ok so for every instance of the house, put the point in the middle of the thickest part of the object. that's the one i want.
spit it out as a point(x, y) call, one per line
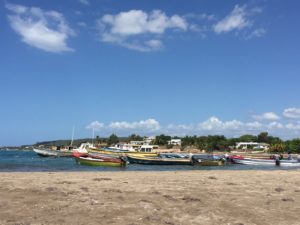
point(175, 142)
point(252, 145)
point(148, 140)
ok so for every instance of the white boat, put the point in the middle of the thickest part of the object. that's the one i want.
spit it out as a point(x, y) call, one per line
point(124, 147)
point(54, 153)
point(265, 162)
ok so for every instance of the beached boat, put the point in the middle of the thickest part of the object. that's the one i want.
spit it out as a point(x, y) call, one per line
point(208, 160)
point(158, 160)
point(264, 162)
point(92, 160)
point(54, 153)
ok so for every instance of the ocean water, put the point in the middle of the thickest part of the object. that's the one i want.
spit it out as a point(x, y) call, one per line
point(29, 161)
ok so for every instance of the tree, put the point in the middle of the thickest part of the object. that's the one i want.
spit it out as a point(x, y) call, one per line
point(134, 137)
point(113, 139)
point(293, 145)
point(247, 138)
point(162, 139)
point(277, 148)
point(263, 137)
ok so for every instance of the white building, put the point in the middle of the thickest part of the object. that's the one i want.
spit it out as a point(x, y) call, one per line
point(148, 140)
point(174, 142)
point(253, 145)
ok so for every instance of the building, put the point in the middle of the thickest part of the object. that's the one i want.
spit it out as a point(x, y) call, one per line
point(148, 140)
point(175, 142)
point(252, 145)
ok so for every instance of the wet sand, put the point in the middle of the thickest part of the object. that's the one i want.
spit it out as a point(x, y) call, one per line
point(133, 198)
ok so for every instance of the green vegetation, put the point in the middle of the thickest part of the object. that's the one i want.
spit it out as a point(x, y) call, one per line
point(208, 143)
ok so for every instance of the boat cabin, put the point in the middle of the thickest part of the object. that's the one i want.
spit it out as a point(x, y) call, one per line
point(148, 148)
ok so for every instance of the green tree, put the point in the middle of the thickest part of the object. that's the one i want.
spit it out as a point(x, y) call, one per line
point(263, 137)
point(247, 138)
point(134, 137)
point(113, 139)
point(162, 139)
point(293, 145)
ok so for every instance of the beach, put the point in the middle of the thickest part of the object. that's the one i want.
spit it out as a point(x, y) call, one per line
point(132, 197)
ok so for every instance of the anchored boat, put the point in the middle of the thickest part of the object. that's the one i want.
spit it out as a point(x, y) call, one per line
point(158, 160)
point(54, 153)
point(265, 162)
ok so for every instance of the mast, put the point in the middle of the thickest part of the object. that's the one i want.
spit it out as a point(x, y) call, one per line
point(72, 135)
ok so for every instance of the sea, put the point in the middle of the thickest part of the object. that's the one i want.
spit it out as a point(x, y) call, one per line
point(29, 161)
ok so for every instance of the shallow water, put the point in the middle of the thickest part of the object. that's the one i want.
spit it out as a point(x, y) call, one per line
point(29, 161)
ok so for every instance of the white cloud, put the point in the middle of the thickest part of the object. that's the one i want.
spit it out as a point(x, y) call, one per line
point(256, 33)
point(139, 30)
point(267, 116)
point(254, 125)
point(235, 20)
point(275, 125)
point(149, 124)
point(293, 126)
point(238, 19)
point(95, 125)
point(46, 30)
point(84, 2)
point(213, 124)
point(81, 24)
point(292, 113)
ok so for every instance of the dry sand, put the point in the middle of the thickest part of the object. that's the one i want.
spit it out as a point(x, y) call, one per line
point(133, 198)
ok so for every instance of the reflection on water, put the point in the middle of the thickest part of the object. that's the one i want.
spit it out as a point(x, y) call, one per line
point(11, 161)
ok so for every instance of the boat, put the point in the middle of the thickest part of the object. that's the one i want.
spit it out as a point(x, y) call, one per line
point(118, 152)
point(158, 160)
point(265, 162)
point(93, 160)
point(46, 152)
point(208, 160)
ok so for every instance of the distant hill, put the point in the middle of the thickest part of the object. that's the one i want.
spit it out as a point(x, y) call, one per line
point(76, 142)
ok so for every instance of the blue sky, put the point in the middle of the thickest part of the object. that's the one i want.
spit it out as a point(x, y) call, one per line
point(148, 67)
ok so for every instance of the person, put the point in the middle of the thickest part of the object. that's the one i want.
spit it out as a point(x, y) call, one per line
point(289, 156)
point(298, 158)
point(277, 159)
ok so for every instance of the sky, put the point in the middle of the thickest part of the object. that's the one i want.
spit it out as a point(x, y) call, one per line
point(196, 67)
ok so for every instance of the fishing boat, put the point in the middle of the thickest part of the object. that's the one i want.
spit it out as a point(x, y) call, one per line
point(93, 160)
point(265, 162)
point(46, 152)
point(208, 160)
point(158, 160)
point(117, 152)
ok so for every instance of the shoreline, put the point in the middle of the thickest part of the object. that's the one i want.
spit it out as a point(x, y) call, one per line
point(149, 197)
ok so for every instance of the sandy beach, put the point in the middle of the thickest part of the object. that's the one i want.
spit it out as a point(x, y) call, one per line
point(133, 198)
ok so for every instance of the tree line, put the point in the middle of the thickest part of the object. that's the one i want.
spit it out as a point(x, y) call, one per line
point(208, 143)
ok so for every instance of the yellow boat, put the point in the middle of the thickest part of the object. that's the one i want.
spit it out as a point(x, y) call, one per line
point(131, 153)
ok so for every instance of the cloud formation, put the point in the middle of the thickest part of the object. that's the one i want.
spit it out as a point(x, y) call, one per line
point(238, 19)
point(149, 124)
point(84, 2)
point(95, 125)
point(292, 113)
point(211, 126)
point(266, 116)
point(46, 30)
point(139, 30)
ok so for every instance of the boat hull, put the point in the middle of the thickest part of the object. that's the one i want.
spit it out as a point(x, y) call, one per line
point(98, 160)
point(113, 152)
point(157, 161)
point(266, 162)
point(52, 153)
point(89, 162)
